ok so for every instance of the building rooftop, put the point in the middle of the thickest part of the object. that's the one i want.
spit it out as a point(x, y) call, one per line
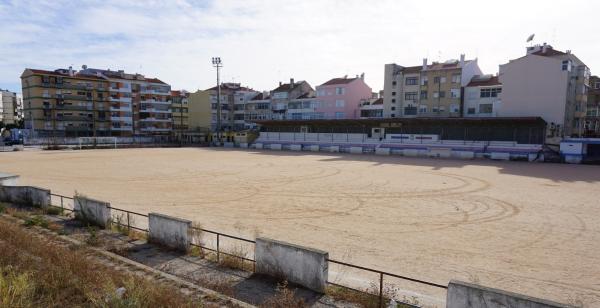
point(335, 81)
point(230, 86)
point(305, 95)
point(260, 97)
point(485, 80)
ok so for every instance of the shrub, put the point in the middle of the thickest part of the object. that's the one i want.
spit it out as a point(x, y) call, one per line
point(284, 298)
point(52, 210)
point(36, 220)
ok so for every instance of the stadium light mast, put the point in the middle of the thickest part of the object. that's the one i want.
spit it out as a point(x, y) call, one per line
point(216, 61)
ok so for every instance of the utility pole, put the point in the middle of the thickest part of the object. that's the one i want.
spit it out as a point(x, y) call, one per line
point(216, 61)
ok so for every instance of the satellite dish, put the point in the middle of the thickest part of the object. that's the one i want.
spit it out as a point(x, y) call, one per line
point(530, 38)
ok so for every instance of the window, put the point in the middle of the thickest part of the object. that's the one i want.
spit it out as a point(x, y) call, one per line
point(455, 93)
point(340, 91)
point(443, 80)
point(455, 78)
point(436, 80)
point(393, 115)
point(454, 108)
point(321, 93)
point(410, 96)
point(411, 81)
point(393, 108)
point(486, 108)
point(423, 94)
point(410, 110)
point(340, 103)
point(440, 94)
point(339, 115)
point(393, 100)
point(566, 65)
point(45, 79)
point(423, 109)
point(471, 110)
point(394, 83)
point(597, 85)
point(393, 93)
point(424, 81)
point(490, 92)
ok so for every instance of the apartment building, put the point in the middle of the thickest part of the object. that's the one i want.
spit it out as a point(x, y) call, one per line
point(233, 103)
point(429, 90)
point(9, 108)
point(548, 83)
point(138, 105)
point(482, 96)
point(592, 119)
point(286, 93)
point(258, 108)
point(180, 109)
point(340, 98)
point(63, 103)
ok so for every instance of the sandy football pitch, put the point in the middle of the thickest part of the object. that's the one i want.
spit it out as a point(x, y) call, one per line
point(525, 227)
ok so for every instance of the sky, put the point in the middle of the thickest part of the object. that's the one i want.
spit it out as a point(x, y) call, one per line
point(262, 42)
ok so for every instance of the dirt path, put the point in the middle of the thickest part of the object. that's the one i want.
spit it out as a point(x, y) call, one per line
point(525, 227)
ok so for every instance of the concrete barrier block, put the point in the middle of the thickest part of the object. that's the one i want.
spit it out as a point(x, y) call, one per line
point(334, 148)
point(276, 147)
point(535, 157)
point(464, 154)
point(8, 179)
point(25, 195)
point(314, 148)
point(304, 266)
point(228, 144)
point(500, 156)
point(169, 231)
point(92, 211)
point(466, 295)
point(440, 152)
point(296, 147)
point(243, 145)
point(411, 152)
point(382, 151)
point(258, 145)
point(356, 150)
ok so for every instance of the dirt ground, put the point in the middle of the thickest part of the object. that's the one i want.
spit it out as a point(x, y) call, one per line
point(525, 227)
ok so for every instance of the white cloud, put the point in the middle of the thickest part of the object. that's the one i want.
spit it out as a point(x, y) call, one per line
point(263, 42)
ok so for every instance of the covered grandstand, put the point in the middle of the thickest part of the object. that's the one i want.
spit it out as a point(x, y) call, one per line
point(497, 138)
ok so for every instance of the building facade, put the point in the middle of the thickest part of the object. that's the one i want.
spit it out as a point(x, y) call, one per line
point(9, 108)
point(548, 83)
point(429, 90)
point(94, 103)
point(592, 119)
point(233, 103)
point(62, 103)
point(340, 98)
point(286, 93)
point(482, 97)
point(180, 109)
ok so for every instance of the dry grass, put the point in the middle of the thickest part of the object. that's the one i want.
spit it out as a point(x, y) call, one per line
point(37, 273)
point(284, 298)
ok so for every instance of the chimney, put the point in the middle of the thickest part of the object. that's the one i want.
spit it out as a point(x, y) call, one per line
point(71, 73)
point(462, 59)
point(544, 48)
point(280, 83)
point(424, 64)
point(362, 76)
point(291, 82)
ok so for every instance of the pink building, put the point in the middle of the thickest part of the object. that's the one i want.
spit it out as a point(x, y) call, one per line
point(340, 98)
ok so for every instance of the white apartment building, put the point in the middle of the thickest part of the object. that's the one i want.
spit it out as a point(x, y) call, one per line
point(547, 83)
point(482, 97)
point(9, 111)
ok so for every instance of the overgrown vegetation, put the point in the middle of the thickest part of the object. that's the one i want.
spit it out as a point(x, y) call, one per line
point(370, 297)
point(37, 273)
point(51, 210)
point(284, 298)
point(36, 220)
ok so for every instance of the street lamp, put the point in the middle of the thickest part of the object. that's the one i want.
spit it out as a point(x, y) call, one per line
point(216, 61)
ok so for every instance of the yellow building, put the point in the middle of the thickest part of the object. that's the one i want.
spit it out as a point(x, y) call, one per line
point(62, 104)
point(179, 106)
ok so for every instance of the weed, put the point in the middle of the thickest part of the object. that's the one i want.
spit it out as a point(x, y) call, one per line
point(37, 220)
point(284, 298)
point(195, 235)
point(52, 210)
point(16, 289)
point(196, 251)
point(234, 258)
point(92, 239)
point(120, 224)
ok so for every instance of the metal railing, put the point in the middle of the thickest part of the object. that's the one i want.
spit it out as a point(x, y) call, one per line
point(67, 204)
point(381, 276)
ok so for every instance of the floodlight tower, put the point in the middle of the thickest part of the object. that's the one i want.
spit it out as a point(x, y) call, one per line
point(216, 61)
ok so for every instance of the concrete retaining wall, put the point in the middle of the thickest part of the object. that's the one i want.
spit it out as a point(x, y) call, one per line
point(26, 195)
point(334, 148)
point(92, 211)
point(276, 147)
point(500, 156)
point(314, 148)
point(296, 147)
point(258, 145)
point(297, 264)
point(382, 151)
point(467, 295)
point(169, 231)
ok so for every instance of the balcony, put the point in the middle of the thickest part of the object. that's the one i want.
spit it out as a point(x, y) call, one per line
point(154, 110)
point(75, 97)
point(122, 128)
point(156, 120)
point(155, 129)
point(72, 107)
point(153, 101)
point(121, 119)
point(121, 99)
point(75, 118)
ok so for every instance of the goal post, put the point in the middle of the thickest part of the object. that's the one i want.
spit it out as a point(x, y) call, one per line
point(83, 141)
